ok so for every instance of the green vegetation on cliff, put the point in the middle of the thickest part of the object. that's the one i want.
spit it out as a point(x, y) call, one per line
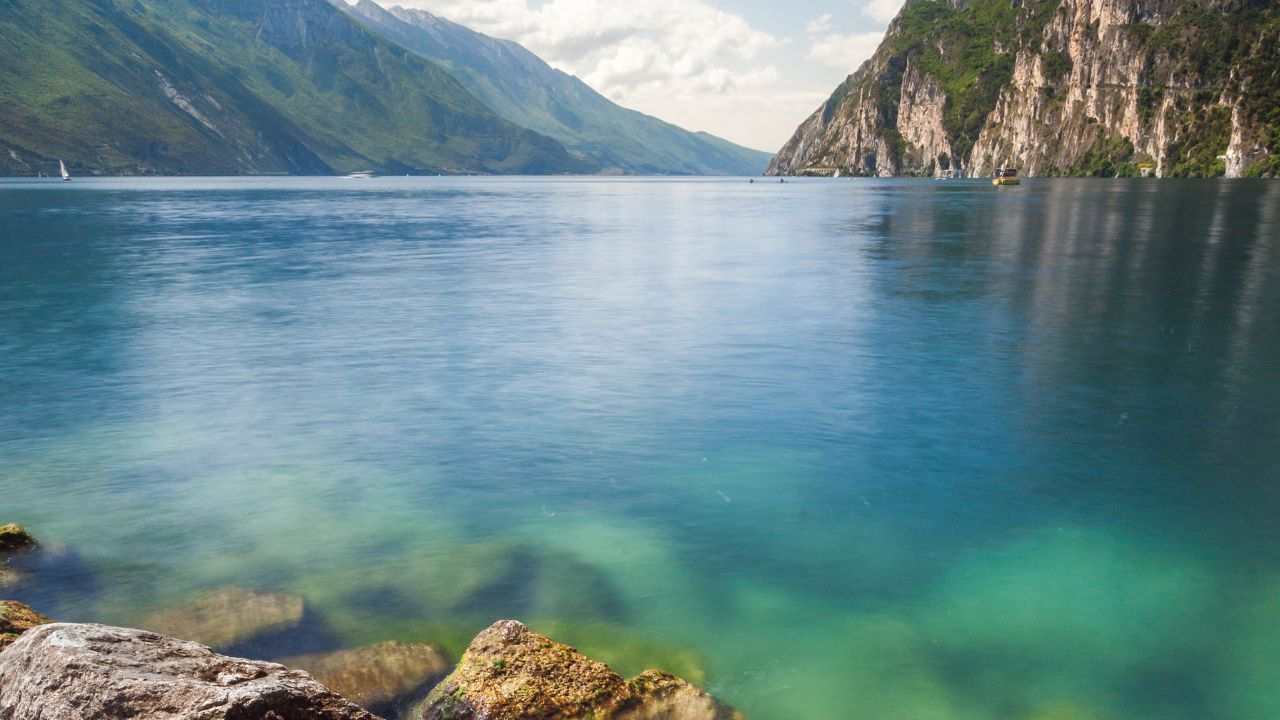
point(1199, 75)
point(236, 86)
point(970, 50)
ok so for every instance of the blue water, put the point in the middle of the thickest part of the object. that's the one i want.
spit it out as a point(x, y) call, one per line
point(902, 450)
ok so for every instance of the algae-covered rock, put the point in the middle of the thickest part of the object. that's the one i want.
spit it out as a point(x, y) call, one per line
point(626, 650)
point(382, 678)
point(15, 619)
point(664, 696)
point(14, 538)
point(73, 672)
point(227, 616)
point(510, 672)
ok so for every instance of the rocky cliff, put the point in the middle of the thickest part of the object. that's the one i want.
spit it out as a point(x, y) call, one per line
point(1170, 88)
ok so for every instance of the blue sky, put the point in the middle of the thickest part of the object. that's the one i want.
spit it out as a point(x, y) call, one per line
point(746, 70)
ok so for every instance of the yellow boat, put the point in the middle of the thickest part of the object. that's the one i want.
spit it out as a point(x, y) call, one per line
point(1006, 176)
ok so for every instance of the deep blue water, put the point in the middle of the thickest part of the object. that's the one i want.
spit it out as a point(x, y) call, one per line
point(896, 450)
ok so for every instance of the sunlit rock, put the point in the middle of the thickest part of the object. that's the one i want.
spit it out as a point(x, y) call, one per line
point(227, 616)
point(15, 619)
point(510, 672)
point(626, 650)
point(14, 538)
point(72, 672)
point(385, 678)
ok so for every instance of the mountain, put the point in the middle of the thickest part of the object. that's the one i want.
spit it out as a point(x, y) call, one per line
point(235, 87)
point(1057, 87)
point(523, 89)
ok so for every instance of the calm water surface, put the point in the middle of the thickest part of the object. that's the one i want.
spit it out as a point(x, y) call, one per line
point(864, 449)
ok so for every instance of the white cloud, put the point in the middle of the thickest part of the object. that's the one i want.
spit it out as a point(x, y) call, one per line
point(819, 25)
point(844, 52)
point(882, 10)
point(620, 49)
point(685, 61)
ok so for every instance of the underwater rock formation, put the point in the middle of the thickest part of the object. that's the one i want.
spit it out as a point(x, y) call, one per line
point(15, 619)
point(227, 616)
point(510, 672)
point(385, 678)
point(69, 672)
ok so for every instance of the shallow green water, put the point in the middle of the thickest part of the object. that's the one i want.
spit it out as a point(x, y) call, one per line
point(864, 449)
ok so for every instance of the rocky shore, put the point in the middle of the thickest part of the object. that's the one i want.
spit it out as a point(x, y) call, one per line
point(172, 669)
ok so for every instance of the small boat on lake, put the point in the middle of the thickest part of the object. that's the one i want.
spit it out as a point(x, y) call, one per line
point(361, 175)
point(62, 167)
point(1005, 176)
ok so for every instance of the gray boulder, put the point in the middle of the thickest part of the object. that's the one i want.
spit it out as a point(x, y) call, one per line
point(95, 672)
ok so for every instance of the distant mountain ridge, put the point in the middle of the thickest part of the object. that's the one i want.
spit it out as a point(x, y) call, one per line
point(237, 87)
point(525, 90)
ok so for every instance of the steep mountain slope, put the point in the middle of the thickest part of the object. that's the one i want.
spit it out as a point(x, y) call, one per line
point(526, 91)
point(1078, 87)
point(236, 86)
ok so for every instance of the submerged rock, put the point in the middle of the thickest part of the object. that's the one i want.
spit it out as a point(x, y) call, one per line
point(69, 672)
point(667, 697)
point(228, 616)
point(384, 678)
point(10, 577)
point(510, 672)
point(15, 619)
point(14, 538)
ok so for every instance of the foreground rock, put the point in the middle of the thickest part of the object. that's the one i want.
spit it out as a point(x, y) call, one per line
point(14, 538)
point(228, 616)
point(15, 619)
point(70, 672)
point(510, 672)
point(386, 678)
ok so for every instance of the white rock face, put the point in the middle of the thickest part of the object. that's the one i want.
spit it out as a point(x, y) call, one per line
point(92, 672)
point(920, 121)
point(1104, 87)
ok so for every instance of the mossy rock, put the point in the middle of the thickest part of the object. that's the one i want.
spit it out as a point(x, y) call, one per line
point(510, 672)
point(15, 538)
point(15, 619)
point(626, 650)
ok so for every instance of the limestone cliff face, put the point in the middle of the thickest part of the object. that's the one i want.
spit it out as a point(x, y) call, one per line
point(1079, 87)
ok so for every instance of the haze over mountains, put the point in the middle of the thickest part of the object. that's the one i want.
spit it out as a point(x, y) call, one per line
point(523, 89)
point(301, 87)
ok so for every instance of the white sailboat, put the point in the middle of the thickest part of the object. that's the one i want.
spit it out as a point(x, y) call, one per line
point(62, 167)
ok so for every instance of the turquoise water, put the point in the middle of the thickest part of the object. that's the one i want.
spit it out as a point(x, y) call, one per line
point(893, 450)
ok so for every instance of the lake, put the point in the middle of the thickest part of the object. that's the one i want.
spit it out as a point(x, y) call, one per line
point(883, 449)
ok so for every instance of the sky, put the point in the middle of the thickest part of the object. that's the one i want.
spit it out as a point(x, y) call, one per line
point(749, 71)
